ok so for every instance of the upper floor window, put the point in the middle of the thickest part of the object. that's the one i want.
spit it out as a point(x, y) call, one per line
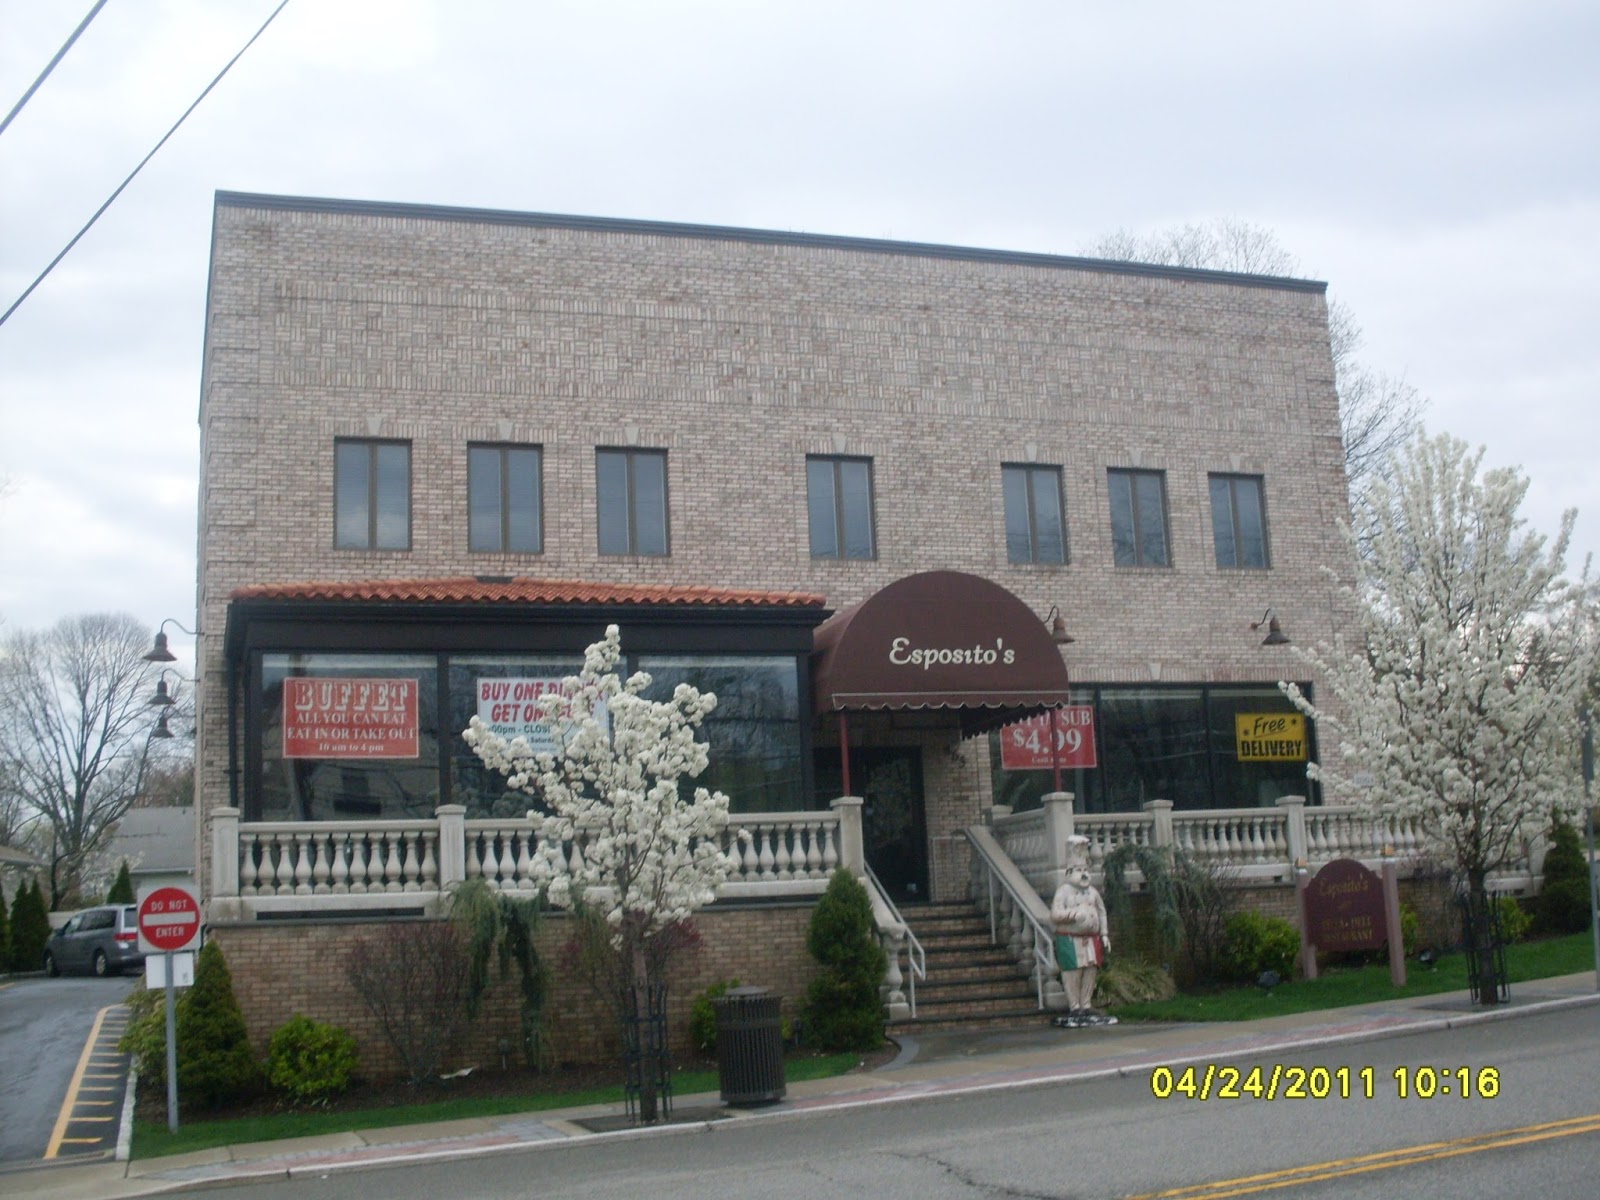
point(1239, 520)
point(631, 498)
point(1036, 529)
point(839, 501)
point(503, 499)
point(1139, 518)
point(371, 495)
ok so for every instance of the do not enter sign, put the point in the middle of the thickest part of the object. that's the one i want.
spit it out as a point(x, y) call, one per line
point(169, 919)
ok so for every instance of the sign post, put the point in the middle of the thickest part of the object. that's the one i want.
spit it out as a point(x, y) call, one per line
point(169, 921)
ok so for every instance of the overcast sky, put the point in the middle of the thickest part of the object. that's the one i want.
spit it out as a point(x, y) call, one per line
point(1438, 163)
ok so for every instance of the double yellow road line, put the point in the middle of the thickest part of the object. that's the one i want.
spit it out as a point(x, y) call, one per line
point(1386, 1160)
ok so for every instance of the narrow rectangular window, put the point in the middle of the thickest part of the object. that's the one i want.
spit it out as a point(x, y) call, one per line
point(1239, 521)
point(371, 495)
point(839, 507)
point(631, 501)
point(504, 499)
point(1139, 518)
point(1035, 522)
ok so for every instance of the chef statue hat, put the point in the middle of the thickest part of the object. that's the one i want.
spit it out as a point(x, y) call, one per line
point(1077, 851)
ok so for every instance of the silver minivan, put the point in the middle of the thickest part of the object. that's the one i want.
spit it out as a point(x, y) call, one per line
point(102, 941)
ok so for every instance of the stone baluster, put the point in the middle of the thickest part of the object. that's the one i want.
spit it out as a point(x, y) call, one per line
point(283, 876)
point(339, 852)
point(391, 865)
point(411, 861)
point(322, 852)
point(302, 864)
point(892, 988)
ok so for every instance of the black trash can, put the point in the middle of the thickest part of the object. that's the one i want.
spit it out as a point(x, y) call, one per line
point(750, 1046)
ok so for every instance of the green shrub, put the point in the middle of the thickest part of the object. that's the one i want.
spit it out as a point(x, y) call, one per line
point(5, 936)
point(215, 1062)
point(1514, 922)
point(122, 890)
point(703, 1016)
point(1254, 943)
point(1410, 928)
point(30, 928)
point(310, 1061)
point(843, 1010)
point(1562, 905)
point(1129, 981)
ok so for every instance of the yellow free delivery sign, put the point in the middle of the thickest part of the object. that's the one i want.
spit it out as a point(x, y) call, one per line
point(1270, 737)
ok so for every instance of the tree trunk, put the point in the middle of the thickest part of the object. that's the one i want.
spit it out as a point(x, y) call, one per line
point(645, 1035)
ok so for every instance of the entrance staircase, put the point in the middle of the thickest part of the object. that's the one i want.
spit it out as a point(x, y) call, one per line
point(970, 983)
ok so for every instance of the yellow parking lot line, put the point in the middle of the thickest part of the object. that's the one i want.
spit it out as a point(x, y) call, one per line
point(58, 1135)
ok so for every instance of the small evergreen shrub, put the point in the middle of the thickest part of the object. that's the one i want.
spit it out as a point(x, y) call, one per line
point(310, 1061)
point(122, 890)
point(1410, 928)
point(215, 1062)
point(5, 936)
point(703, 1016)
point(843, 1010)
point(1254, 943)
point(1562, 905)
point(30, 928)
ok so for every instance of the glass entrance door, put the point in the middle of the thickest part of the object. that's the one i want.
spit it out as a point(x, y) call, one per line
point(889, 781)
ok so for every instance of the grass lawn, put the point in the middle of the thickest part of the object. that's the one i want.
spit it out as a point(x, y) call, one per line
point(1365, 985)
point(152, 1139)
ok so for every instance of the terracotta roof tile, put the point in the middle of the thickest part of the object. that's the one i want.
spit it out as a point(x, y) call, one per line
point(471, 590)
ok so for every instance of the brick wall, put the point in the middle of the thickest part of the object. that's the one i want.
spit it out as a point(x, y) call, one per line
point(283, 969)
point(739, 357)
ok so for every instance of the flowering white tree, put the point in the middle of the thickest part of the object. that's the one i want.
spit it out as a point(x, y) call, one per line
point(1460, 700)
point(647, 856)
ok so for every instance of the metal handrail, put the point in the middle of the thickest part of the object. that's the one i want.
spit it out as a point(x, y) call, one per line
point(1044, 939)
point(916, 957)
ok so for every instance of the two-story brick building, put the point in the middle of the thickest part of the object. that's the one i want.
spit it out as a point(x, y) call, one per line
point(443, 448)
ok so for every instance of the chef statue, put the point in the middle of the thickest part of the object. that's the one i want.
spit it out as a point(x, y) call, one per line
point(1082, 937)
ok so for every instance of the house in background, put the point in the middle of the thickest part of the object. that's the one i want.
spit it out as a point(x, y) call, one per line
point(158, 845)
point(887, 500)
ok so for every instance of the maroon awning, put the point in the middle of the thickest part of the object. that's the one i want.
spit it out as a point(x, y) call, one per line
point(940, 639)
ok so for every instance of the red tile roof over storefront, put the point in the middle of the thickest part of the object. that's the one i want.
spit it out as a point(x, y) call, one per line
point(470, 590)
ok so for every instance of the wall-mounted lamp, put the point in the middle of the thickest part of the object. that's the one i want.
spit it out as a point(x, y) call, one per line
point(160, 653)
point(1275, 634)
point(161, 730)
point(1058, 627)
point(163, 698)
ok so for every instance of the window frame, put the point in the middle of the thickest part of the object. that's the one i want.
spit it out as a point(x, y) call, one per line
point(373, 446)
point(630, 456)
point(1132, 476)
point(1232, 481)
point(1028, 473)
point(836, 498)
point(503, 524)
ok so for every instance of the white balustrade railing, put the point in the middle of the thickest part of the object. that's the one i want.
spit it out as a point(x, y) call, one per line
point(1257, 844)
point(779, 853)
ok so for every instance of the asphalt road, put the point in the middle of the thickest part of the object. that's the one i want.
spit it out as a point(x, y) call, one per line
point(44, 1024)
point(1113, 1138)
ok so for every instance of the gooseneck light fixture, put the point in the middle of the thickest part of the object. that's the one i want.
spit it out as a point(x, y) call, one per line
point(1275, 634)
point(160, 653)
point(1058, 627)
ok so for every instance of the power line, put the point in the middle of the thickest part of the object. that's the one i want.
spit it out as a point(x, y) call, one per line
point(123, 185)
point(51, 65)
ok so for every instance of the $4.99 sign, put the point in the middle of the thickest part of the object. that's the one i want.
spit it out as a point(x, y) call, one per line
point(1025, 746)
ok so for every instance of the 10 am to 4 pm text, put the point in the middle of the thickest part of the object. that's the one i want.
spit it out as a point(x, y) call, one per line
point(1215, 1081)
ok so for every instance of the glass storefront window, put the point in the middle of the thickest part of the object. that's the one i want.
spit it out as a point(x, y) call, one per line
point(754, 732)
point(509, 706)
point(357, 739)
point(1174, 743)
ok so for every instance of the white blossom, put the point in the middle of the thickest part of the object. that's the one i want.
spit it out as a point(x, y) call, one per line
point(1460, 698)
point(613, 826)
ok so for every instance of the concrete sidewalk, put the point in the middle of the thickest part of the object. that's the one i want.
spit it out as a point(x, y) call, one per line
point(937, 1064)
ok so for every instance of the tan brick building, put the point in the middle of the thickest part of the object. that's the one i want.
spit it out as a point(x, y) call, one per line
point(431, 415)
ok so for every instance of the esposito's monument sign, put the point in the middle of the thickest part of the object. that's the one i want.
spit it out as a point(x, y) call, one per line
point(1347, 906)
